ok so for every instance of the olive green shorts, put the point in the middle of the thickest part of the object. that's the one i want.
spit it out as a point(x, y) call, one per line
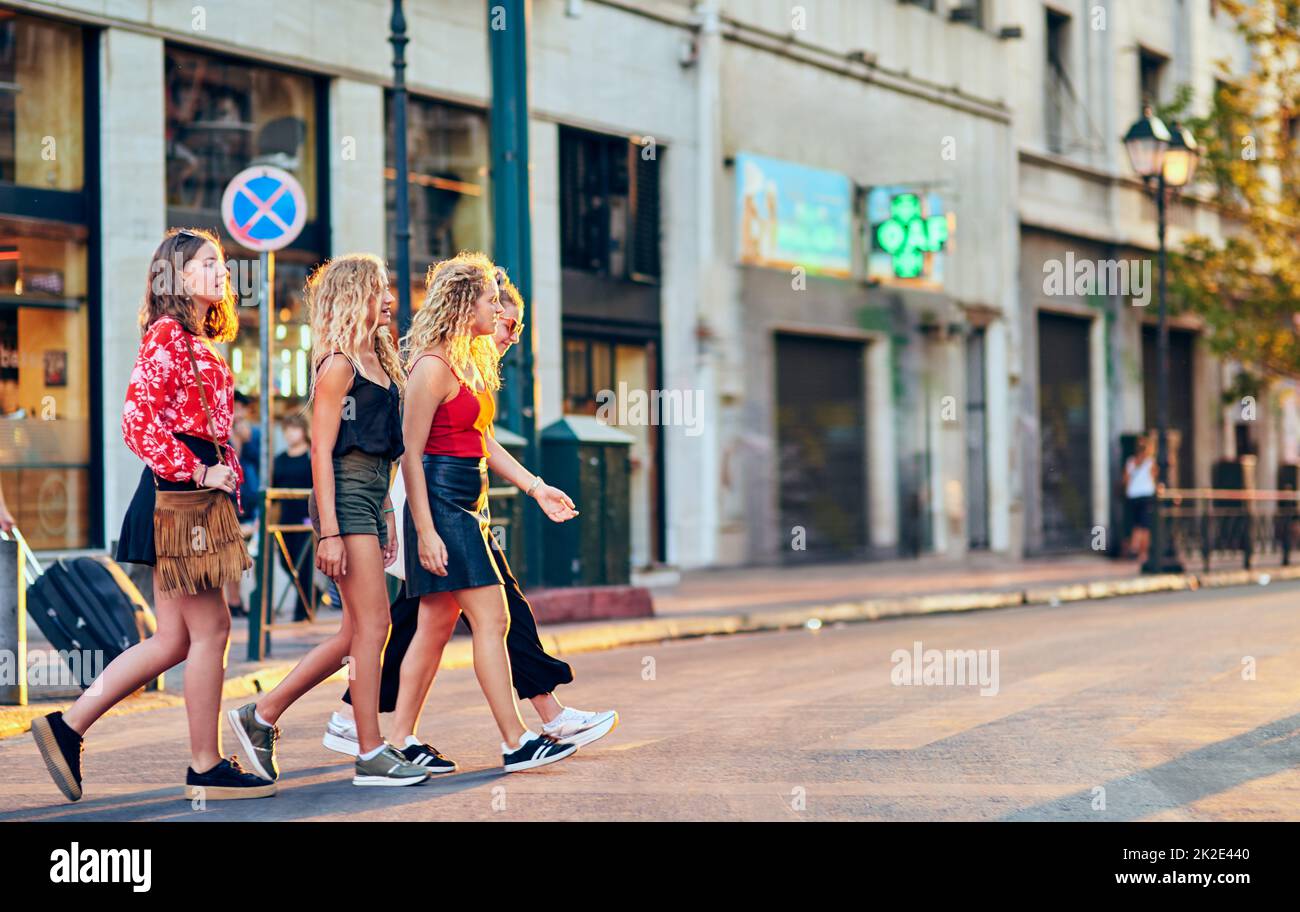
point(360, 486)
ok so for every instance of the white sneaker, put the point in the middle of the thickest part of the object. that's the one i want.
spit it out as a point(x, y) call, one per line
point(577, 727)
point(341, 736)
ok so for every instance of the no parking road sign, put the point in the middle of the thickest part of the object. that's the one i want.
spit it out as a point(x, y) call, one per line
point(264, 208)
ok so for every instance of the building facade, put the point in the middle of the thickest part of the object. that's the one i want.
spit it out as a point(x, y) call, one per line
point(859, 352)
point(1083, 357)
point(812, 237)
point(179, 97)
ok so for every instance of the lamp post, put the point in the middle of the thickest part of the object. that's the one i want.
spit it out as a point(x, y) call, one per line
point(1166, 160)
point(401, 167)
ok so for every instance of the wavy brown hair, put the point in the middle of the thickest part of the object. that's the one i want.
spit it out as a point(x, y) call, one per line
point(451, 288)
point(339, 293)
point(165, 294)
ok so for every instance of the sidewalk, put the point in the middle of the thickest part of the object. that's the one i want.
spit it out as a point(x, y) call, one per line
point(748, 600)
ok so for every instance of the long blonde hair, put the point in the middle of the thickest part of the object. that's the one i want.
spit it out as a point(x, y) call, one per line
point(339, 292)
point(451, 289)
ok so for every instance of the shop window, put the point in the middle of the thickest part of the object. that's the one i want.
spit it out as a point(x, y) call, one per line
point(448, 189)
point(42, 122)
point(45, 398)
point(223, 116)
point(290, 336)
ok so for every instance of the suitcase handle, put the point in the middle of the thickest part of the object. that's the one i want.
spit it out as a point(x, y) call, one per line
point(32, 566)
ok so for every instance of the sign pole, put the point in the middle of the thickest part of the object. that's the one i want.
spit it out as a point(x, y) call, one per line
point(258, 640)
point(264, 209)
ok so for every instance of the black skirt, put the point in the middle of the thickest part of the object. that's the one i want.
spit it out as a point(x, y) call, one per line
point(135, 542)
point(458, 500)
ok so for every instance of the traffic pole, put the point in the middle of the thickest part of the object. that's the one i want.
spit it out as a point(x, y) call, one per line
point(508, 44)
point(258, 636)
point(401, 168)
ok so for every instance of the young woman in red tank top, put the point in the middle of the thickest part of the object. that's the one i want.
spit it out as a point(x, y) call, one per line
point(412, 654)
point(452, 363)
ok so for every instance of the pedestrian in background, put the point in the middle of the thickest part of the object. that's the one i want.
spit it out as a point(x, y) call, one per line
point(6, 518)
point(250, 499)
point(292, 469)
point(1140, 490)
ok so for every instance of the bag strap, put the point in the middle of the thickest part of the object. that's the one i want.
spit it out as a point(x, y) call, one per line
point(203, 397)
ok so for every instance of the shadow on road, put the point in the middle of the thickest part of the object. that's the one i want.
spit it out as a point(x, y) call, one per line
point(1198, 774)
point(291, 802)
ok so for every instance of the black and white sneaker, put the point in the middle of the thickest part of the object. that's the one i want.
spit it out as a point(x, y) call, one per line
point(534, 750)
point(428, 757)
point(61, 749)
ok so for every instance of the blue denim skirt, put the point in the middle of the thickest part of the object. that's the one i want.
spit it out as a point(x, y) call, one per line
point(458, 500)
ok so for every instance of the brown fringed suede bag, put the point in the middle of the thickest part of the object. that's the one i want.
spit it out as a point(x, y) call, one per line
point(196, 534)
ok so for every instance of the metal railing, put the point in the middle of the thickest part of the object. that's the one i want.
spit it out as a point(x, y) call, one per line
point(273, 543)
point(1210, 523)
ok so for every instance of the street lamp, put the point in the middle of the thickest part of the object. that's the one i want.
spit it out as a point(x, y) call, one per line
point(1166, 160)
point(402, 214)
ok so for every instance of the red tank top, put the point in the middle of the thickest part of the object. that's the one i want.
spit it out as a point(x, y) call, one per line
point(460, 426)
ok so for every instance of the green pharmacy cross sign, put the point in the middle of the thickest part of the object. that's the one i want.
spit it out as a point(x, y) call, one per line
point(907, 235)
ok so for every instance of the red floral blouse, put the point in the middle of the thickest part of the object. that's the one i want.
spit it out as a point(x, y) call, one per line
point(162, 401)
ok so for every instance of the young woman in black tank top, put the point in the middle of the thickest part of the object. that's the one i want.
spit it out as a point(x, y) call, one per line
point(356, 436)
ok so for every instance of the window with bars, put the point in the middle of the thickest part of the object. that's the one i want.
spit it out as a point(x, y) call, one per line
point(609, 205)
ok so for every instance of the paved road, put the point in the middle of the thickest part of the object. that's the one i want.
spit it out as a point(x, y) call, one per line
point(1144, 698)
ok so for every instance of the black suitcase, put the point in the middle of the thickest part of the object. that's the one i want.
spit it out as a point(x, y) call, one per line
point(89, 603)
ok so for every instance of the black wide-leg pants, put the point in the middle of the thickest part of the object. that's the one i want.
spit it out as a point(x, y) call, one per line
point(535, 672)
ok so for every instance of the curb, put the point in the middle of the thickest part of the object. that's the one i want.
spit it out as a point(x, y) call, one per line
point(15, 720)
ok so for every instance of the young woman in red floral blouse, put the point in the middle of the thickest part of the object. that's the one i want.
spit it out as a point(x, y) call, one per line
point(188, 305)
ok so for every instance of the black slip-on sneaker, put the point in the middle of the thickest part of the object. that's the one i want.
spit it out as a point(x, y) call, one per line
point(226, 780)
point(61, 748)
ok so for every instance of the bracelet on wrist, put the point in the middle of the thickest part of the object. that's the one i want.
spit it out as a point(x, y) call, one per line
point(335, 535)
point(537, 483)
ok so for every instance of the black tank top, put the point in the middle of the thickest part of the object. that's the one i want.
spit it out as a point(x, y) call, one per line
point(372, 420)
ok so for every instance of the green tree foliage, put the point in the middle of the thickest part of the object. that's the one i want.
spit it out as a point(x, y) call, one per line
point(1246, 286)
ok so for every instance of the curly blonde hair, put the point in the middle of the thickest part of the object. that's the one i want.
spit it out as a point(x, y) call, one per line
point(451, 288)
point(339, 292)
